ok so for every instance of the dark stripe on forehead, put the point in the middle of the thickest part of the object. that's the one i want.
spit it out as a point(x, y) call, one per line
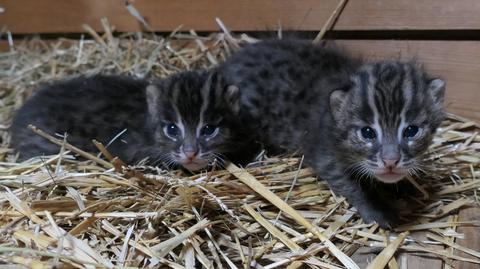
point(212, 97)
point(366, 110)
point(389, 95)
point(189, 100)
point(213, 93)
point(169, 113)
point(379, 99)
point(418, 101)
point(416, 97)
point(173, 108)
point(397, 100)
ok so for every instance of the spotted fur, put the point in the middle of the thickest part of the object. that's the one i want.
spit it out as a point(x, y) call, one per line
point(315, 100)
point(388, 97)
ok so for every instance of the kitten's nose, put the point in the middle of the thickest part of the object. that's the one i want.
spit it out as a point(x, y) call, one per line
point(190, 154)
point(390, 156)
point(390, 163)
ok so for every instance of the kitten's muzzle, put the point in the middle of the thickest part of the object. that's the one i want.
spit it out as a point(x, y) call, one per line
point(190, 155)
point(390, 174)
point(191, 159)
point(390, 164)
point(390, 177)
point(390, 170)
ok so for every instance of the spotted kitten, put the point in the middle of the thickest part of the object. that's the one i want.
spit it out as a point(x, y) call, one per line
point(179, 120)
point(353, 121)
point(381, 125)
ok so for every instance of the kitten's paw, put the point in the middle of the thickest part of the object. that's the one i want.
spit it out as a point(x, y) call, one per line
point(386, 218)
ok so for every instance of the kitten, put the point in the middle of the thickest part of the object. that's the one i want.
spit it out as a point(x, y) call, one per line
point(353, 121)
point(179, 120)
point(280, 82)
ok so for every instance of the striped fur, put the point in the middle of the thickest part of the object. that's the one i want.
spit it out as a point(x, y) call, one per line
point(102, 107)
point(389, 97)
point(315, 100)
point(191, 102)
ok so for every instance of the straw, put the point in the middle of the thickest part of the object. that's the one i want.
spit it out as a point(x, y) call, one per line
point(97, 211)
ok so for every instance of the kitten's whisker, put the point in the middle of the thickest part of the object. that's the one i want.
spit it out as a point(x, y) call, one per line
point(166, 159)
point(162, 158)
point(359, 170)
point(170, 163)
point(352, 167)
point(220, 161)
point(219, 156)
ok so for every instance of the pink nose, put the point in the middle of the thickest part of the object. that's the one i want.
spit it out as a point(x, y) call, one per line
point(190, 154)
point(390, 163)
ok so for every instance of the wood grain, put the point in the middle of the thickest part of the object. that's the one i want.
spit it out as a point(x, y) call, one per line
point(414, 260)
point(67, 16)
point(472, 236)
point(458, 62)
point(406, 260)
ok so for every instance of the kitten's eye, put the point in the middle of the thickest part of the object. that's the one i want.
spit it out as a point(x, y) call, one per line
point(172, 130)
point(368, 133)
point(208, 130)
point(410, 132)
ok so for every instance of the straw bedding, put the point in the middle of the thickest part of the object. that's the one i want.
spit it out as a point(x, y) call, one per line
point(60, 212)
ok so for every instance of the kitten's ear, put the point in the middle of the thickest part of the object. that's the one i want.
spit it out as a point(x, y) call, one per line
point(153, 98)
point(436, 88)
point(232, 98)
point(338, 98)
point(230, 94)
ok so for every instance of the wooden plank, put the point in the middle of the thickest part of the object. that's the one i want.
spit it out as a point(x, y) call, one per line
point(458, 62)
point(364, 256)
point(472, 236)
point(408, 260)
point(414, 260)
point(53, 16)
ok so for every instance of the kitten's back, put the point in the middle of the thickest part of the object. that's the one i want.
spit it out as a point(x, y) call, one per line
point(95, 107)
point(282, 82)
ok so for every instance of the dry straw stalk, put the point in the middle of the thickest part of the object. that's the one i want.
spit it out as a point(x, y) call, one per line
point(61, 211)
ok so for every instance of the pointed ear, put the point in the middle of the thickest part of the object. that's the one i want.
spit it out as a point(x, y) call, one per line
point(232, 98)
point(436, 88)
point(153, 98)
point(338, 99)
point(229, 94)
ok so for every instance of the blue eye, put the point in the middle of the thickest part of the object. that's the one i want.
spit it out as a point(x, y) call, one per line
point(208, 130)
point(368, 133)
point(172, 130)
point(410, 131)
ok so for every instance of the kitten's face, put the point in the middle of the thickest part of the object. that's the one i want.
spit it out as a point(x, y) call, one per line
point(387, 119)
point(190, 118)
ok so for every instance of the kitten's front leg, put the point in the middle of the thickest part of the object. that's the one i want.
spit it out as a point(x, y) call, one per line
point(370, 207)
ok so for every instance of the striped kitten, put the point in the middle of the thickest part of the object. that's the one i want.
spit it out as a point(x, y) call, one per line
point(378, 127)
point(353, 121)
point(179, 120)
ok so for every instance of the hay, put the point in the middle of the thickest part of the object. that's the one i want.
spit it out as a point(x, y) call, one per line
point(57, 211)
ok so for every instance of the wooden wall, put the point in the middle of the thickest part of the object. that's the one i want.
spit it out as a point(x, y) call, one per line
point(444, 34)
point(445, 30)
point(53, 16)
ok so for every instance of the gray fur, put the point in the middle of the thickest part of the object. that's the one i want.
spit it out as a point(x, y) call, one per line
point(315, 100)
point(100, 107)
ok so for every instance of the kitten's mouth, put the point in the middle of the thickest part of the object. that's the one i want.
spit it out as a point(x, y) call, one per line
point(389, 176)
point(193, 165)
